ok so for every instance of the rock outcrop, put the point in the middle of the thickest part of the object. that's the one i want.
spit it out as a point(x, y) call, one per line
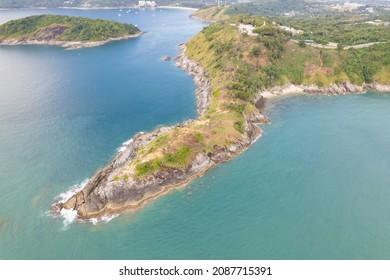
point(344, 88)
point(48, 40)
point(203, 92)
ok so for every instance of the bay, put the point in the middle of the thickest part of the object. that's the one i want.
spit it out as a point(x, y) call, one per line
point(314, 186)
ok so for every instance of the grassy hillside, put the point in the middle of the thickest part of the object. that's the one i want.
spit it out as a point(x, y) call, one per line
point(224, 122)
point(64, 28)
point(239, 66)
point(212, 14)
point(277, 60)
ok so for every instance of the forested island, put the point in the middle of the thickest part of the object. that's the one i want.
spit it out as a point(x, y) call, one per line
point(238, 62)
point(66, 31)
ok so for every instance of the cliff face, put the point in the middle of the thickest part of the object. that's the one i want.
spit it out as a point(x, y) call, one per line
point(104, 195)
point(203, 91)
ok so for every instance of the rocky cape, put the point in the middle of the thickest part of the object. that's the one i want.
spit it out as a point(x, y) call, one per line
point(104, 196)
point(344, 88)
point(69, 45)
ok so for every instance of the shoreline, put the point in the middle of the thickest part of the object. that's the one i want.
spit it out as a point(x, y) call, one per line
point(178, 8)
point(345, 88)
point(88, 201)
point(67, 45)
point(114, 212)
point(105, 196)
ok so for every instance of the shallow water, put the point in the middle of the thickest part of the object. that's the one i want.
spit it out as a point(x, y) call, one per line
point(315, 186)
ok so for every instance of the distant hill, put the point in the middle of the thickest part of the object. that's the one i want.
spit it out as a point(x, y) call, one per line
point(280, 7)
point(63, 3)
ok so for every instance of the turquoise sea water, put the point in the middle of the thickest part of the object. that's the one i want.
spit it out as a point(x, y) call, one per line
point(315, 186)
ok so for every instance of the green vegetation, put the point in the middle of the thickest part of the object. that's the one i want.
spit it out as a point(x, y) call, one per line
point(347, 31)
point(64, 28)
point(239, 126)
point(179, 159)
point(281, 61)
point(365, 65)
point(278, 8)
point(238, 66)
point(147, 168)
point(198, 137)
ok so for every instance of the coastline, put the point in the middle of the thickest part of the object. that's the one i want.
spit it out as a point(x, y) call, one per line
point(102, 196)
point(65, 44)
point(178, 8)
point(345, 88)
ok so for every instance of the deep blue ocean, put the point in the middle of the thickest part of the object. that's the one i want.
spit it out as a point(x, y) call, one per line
point(315, 186)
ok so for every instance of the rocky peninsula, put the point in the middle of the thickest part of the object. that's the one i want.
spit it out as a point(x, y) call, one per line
point(235, 75)
point(105, 195)
point(64, 31)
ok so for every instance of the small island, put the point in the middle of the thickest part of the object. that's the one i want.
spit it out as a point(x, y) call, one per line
point(65, 31)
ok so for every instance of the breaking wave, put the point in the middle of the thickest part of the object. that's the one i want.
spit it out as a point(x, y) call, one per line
point(69, 216)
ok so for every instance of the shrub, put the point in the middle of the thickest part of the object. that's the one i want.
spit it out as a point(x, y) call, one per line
point(180, 157)
point(147, 167)
point(239, 126)
point(198, 137)
point(256, 51)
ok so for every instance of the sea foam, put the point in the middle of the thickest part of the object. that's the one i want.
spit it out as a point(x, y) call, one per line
point(124, 145)
point(69, 216)
point(63, 197)
point(103, 219)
